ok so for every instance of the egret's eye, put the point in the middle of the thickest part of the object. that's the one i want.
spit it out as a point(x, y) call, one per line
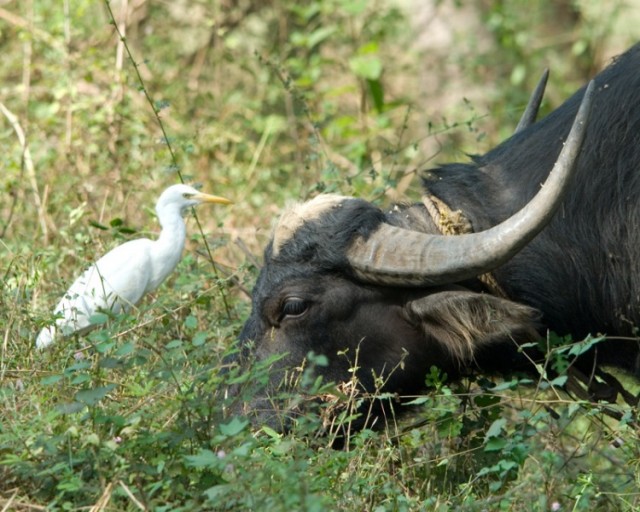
point(293, 307)
point(187, 195)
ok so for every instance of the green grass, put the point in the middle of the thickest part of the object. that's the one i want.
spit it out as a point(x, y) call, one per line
point(264, 106)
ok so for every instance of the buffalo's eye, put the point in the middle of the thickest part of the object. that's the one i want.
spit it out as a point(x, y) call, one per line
point(293, 307)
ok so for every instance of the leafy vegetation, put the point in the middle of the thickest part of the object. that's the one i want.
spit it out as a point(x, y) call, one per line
point(263, 102)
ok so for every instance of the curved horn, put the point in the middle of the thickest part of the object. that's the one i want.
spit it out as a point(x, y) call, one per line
point(400, 257)
point(531, 112)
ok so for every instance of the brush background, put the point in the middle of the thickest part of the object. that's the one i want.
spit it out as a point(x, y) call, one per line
point(264, 103)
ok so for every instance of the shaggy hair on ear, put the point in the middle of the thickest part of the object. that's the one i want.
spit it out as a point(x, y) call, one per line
point(464, 322)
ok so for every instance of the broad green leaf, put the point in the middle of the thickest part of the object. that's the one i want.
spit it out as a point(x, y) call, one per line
point(317, 36)
point(270, 432)
point(508, 384)
point(173, 344)
point(584, 346)
point(70, 407)
point(368, 67)
point(51, 379)
point(125, 349)
point(80, 379)
point(559, 381)
point(199, 339)
point(283, 447)
point(495, 444)
point(235, 426)
point(94, 395)
point(496, 428)
point(354, 6)
point(203, 459)
point(98, 318)
point(191, 322)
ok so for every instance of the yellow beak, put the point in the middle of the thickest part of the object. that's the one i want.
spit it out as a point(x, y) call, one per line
point(208, 198)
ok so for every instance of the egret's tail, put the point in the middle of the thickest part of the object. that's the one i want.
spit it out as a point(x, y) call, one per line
point(46, 337)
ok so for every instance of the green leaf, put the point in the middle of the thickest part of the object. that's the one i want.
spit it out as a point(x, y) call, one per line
point(70, 407)
point(78, 367)
point(270, 432)
point(495, 444)
point(80, 379)
point(418, 401)
point(217, 491)
point(109, 362)
point(559, 381)
point(317, 36)
point(518, 74)
point(203, 459)
point(161, 104)
point(486, 400)
point(283, 448)
point(509, 384)
point(496, 428)
point(368, 67)
point(94, 395)
point(584, 346)
point(191, 322)
point(235, 426)
point(199, 339)
point(354, 6)
point(125, 349)
point(104, 346)
point(173, 344)
point(98, 319)
point(96, 224)
point(51, 379)
point(369, 48)
point(377, 94)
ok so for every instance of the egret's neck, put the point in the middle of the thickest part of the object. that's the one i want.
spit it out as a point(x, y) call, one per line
point(169, 245)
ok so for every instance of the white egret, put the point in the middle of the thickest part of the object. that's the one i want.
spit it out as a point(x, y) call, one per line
point(119, 279)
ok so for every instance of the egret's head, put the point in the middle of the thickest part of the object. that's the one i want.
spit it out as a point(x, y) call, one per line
point(182, 197)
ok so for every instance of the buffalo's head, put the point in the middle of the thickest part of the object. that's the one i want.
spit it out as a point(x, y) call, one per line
point(383, 297)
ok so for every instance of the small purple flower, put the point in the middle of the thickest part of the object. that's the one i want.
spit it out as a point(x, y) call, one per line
point(555, 506)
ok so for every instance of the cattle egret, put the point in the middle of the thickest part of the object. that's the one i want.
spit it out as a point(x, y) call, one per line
point(119, 279)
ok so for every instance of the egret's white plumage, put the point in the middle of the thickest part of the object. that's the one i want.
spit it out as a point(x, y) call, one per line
point(125, 274)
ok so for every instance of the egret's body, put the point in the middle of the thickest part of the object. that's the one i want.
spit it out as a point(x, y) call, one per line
point(119, 279)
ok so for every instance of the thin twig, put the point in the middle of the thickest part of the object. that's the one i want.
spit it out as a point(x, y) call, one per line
point(132, 497)
point(104, 500)
point(37, 33)
point(174, 160)
point(248, 254)
point(28, 165)
point(8, 503)
point(12, 208)
point(27, 45)
point(67, 65)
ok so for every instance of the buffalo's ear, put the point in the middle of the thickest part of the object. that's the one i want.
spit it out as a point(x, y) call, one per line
point(464, 322)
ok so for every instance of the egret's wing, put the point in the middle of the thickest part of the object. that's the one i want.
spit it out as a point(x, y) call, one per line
point(122, 273)
point(114, 282)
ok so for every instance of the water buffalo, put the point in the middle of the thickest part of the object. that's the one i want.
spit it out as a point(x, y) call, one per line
point(540, 234)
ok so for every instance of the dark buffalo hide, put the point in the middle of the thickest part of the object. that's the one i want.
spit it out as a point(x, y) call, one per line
point(579, 276)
